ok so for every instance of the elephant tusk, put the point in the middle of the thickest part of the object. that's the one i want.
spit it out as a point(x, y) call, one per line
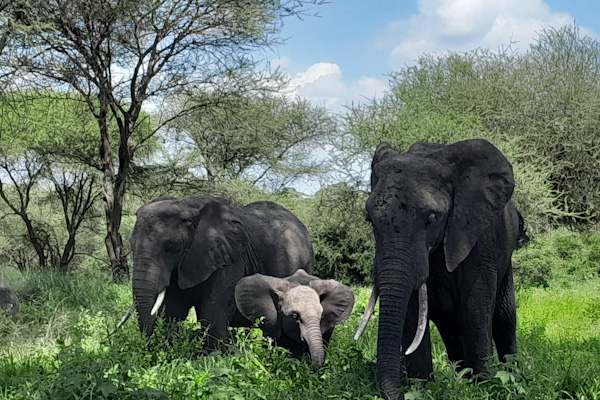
point(421, 322)
point(159, 301)
point(368, 313)
point(122, 322)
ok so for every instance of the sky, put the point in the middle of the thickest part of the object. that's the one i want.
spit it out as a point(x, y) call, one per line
point(344, 55)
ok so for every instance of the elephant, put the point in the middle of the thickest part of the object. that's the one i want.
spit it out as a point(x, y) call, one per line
point(300, 311)
point(9, 302)
point(445, 229)
point(192, 251)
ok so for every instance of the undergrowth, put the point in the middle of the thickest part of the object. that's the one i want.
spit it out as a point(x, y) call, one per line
point(57, 347)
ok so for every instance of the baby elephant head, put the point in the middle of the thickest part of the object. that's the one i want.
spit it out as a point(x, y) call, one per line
point(301, 308)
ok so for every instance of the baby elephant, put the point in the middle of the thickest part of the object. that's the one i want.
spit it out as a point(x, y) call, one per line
point(9, 302)
point(300, 311)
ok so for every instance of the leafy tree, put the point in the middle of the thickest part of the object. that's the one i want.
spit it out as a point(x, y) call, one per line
point(268, 139)
point(35, 129)
point(120, 55)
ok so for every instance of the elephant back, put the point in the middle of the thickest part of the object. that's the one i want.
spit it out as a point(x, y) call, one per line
point(280, 239)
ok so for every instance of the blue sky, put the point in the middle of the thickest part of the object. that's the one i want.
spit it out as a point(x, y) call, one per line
point(344, 55)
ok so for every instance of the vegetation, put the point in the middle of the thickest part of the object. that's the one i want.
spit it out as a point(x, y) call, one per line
point(57, 346)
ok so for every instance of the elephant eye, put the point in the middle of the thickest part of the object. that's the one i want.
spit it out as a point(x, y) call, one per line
point(296, 316)
point(431, 219)
point(171, 246)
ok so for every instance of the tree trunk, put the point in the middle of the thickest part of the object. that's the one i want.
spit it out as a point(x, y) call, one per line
point(113, 190)
point(33, 238)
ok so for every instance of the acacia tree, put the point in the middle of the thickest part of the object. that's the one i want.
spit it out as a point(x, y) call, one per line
point(122, 54)
point(36, 174)
point(268, 140)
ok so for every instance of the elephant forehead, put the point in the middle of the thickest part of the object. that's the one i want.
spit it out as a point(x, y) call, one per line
point(300, 297)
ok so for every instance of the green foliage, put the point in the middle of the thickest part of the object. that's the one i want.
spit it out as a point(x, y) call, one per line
point(268, 139)
point(57, 348)
point(343, 240)
point(540, 107)
point(562, 256)
point(58, 125)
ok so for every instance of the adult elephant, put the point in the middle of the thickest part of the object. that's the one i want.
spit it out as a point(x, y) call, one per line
point(9, 302)
point(445, 230)
point(192, 251)
point(300, 311)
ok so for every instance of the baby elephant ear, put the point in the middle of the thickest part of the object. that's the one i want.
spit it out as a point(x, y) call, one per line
point(337, 301)
point(257, 296)
point(301, 277)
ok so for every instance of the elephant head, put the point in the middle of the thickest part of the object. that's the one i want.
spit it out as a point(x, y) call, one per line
point(432, 199)
point(301, 306)
point(178, 244)
point(9, 302)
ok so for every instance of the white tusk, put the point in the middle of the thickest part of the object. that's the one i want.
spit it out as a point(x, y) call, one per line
point(159, 301)
point(368, 313)
point(122, 322)
point(421, 322)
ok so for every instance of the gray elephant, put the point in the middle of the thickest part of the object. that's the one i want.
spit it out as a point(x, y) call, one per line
point(9, 302)
point(192, 251)
point(299, 311)
point(445, 230)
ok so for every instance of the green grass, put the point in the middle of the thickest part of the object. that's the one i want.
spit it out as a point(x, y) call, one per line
point(57, 347)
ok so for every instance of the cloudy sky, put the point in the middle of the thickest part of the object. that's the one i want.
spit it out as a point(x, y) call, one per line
point(343, 55)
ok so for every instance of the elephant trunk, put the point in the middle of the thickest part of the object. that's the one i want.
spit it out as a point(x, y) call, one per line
point(395, 287)
point(312, 336)
point(147, 287)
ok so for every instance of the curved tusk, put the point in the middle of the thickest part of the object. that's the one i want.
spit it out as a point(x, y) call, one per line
point(421, 322)
point(368, 313)
point(159, 301)
point(122, 322)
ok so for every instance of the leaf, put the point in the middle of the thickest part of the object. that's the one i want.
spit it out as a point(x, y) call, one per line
point(505, 377)
point(107, 388)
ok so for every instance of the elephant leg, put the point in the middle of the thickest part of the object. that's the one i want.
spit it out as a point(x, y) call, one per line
point(476, 322)
point(447, 324)
point(215, 306)
point(418, 364)
point(504, 324)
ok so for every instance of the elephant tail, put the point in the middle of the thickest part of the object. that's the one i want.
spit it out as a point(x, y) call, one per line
point(522, 238)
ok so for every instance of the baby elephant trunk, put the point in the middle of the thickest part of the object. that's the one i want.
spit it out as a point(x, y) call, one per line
point(311, 334)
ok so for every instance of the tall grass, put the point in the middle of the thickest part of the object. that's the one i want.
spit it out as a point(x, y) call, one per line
point(57, 348)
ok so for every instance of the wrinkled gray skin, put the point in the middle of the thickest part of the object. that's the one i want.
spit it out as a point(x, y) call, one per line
point(299, 311)
point(9, 302)
point(199, 247)
point(442, 215)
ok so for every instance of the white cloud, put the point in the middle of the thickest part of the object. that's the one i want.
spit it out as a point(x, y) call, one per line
point(323, 84)
point(461, 25)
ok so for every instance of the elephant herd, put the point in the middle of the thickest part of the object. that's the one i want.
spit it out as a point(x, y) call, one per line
point(445, 229)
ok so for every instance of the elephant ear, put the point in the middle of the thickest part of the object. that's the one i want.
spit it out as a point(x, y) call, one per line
point(258, 296)
point(337, 301)
point(383, 151)
point(483, 183)
point(301, 277)
point(219, 241)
